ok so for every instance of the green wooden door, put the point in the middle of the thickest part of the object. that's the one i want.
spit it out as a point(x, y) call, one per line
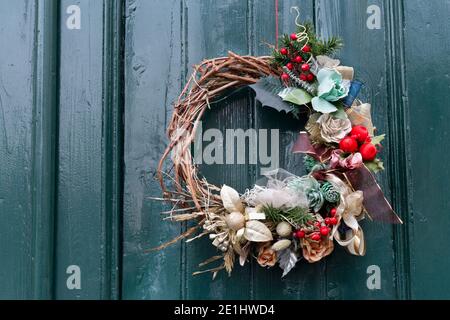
point(398, 49)
point(60, 148)
point(86, 88)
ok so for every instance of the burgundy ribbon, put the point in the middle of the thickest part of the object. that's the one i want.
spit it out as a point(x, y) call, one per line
point(376, 204)
point(303, 145)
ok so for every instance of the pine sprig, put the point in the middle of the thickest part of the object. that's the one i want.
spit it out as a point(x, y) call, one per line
point(322, 47)
point(298, 216)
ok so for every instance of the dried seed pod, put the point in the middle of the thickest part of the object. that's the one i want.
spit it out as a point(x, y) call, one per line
point(235, 221)
point(281, 245)
point(284, 229)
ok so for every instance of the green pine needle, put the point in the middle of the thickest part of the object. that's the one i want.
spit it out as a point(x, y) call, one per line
point(298, 216)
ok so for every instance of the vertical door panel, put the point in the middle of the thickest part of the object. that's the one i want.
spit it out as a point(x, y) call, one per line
point(88, 150)
point(426, 107)
point(27, 117)
point(152, 82)
point(213, 29)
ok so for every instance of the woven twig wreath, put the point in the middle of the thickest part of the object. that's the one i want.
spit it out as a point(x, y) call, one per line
point(289, 217)
point(209, 81)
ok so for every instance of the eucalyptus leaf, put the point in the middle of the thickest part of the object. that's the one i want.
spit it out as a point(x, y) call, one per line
point(266, 90)
point(323, 106)
point(296, 96)
point(287, 261)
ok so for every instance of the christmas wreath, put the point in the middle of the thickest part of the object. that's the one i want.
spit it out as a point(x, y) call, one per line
point(284, 217)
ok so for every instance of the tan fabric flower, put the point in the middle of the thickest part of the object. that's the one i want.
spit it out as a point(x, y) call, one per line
point(314, 251)
point(333, 130)
point(266, 256)
point(313, 128)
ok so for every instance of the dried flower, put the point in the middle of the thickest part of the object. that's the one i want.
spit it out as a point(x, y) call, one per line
point(333, 130)
point(267, 257)
point(313, 128)
point(314, 251)
point(331, 89)
point(352, 162)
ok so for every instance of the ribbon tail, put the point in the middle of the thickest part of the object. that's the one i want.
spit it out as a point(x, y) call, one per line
point(304, 145)
point(376, 204)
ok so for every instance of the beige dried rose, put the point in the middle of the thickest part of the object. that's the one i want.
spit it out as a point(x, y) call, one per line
point(314, 251)
point(313, 128)
point(333, 130)
point(267, 257)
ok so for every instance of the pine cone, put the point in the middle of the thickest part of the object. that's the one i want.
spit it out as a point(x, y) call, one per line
point(330, 193)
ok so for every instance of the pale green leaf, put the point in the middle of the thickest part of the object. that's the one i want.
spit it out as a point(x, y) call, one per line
point(296, 96)
point(378, 139)
point(323, 106)
point(375, 166)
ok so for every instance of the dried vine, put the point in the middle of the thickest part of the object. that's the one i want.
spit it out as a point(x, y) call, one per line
point(209, 81)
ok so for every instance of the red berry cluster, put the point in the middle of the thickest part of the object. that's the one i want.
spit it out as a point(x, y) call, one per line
point(359, 140)
point(318, 229)
point(297, 62)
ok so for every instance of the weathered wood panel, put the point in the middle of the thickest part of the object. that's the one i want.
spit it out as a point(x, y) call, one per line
point(89, 152)
point(213, 29)
point(27, 114)
point(152, 82)
point(425, 107)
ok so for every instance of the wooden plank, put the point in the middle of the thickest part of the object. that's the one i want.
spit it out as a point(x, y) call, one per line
point(365, 50)
point(27, 111)
point(213, 28)
point(88, 149)
point(45, 75)
point(426, 110)
point(306, 281)
point(152, 83)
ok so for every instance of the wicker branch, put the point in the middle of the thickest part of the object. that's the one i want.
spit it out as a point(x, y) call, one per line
point(209, 80)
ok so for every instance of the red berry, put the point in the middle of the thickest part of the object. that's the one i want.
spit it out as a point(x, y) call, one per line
point(368, 152)
point(348, 144)
point(284, 51)
point(360, 133)
point(303, 77)
point(294, 37)
point(306, 48)
point(333, 221)
point(305, 67)
point(316, 237)
point(369, 139)
point(310, 77)
point(285, 76)
point(298, 59)
point(324, 231)
point(317, 224)
point(333, 212)
point(300, 234)
point(290, 66)
point(327, 221)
